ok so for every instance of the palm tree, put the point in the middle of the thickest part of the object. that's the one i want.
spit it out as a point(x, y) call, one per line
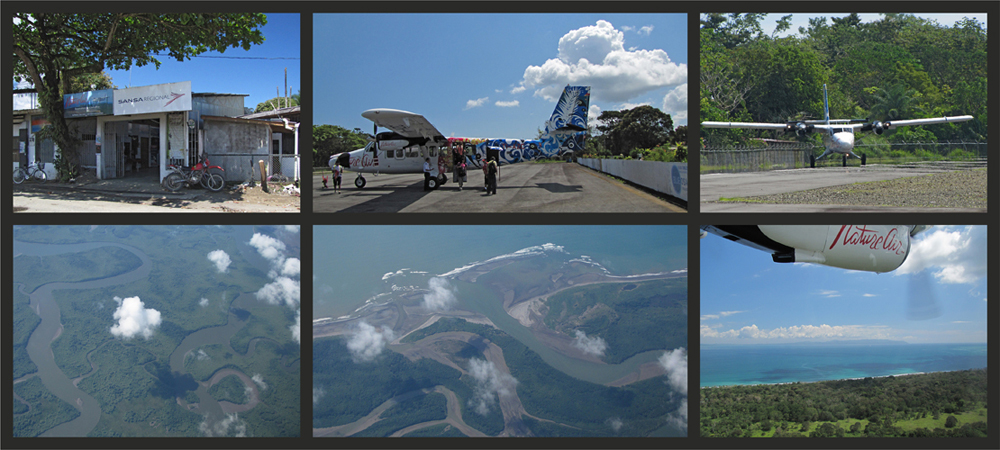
point(896, 103)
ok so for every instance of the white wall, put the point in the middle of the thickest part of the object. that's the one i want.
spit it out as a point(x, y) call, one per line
point(664, 177)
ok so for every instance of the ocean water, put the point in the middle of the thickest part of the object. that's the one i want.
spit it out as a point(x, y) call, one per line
point(351, 263)
point(723, 365)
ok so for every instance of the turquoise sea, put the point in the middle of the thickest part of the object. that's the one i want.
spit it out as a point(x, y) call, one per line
point(724, 365)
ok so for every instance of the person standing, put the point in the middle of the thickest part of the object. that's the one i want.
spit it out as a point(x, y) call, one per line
point(460, 173)
point(492, 173)
point(338, 171)
point(427, 174)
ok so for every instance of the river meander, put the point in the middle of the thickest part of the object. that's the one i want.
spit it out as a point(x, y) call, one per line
point(39, 346)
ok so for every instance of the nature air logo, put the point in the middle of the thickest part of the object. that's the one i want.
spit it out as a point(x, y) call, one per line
point(861, 235)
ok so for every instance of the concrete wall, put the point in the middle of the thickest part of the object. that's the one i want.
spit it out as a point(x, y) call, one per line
point(233, 145)
point(667, 178)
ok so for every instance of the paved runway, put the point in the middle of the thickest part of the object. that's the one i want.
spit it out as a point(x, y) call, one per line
point(526, 187)
point(730, 185)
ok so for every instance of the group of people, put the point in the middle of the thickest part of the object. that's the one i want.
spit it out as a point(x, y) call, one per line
point(491, 172)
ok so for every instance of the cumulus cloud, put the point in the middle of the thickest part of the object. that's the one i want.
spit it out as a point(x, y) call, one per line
point(590, 345)
point(441, 296)
point(510, 104)
point(616, 423)
point(367, 342)
point(953, 254)
point(201, 355)
point(291, 268)
point(675, 103)
point(596, 56)
point(259, 379)
point(803, 332)
point(476, 103)
point(646, 30)
point(134, 319)
point(203, 302)
point(291, 228)
point(281, 290)
point(268, 247)
point(318, 393)
point(297, 326)
point(231, 425)
point(221, 260)
point(675, 363)
point(679, 418)
point(490, 383)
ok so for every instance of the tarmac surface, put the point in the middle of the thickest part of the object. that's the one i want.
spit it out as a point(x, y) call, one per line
point(526, 187)
point(718, 186)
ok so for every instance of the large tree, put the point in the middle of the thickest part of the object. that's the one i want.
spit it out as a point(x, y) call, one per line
point(642, 127)
point(332, 139)
point(52, 49)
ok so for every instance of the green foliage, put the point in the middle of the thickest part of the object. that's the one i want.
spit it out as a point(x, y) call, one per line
point(331, 139)
point(950, 422)
point(278, 103)
point(230, 389)
point(25, 322)
point(871, 407)
point(51, 49)
point(630, 317)
point(640, 127)
point(47, 410)
point(121, 376)
point(103, 262)
point(422, 408)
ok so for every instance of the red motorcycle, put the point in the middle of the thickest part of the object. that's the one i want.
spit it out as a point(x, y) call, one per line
point(202, 173)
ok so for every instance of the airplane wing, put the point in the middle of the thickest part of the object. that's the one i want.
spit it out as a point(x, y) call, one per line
point(405, 123)
point(757, 125)
point(751, 236)
point(904, 123)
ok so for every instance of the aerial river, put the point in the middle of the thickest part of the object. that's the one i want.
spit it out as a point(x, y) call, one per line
point(40, 343)
point(50, 328)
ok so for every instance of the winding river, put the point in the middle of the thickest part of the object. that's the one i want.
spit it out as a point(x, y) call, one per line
point(49, 329)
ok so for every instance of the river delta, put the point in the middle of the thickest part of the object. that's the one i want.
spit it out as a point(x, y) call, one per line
point(148, 331)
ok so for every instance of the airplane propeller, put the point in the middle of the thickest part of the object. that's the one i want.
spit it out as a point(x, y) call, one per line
point(876, 126)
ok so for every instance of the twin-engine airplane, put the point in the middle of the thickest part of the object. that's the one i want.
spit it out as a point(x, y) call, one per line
point(413, 139)
point(871, 248)
point(839, 133)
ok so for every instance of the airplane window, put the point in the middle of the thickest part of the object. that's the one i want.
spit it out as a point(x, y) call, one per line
point(433, 151)
point(390, 153)
point(411, 154)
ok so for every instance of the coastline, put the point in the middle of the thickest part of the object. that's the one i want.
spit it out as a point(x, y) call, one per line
point(838, 379)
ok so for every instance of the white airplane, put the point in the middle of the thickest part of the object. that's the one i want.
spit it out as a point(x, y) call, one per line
point(413, 139)
point(870, 248)
point(839, 133)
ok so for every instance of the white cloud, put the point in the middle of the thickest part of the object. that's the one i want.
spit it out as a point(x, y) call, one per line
point(221, 260)
point(230, 425)
point(679, 418)
point(291, 267)
point(675, 362)
point(291, 228)
point(709, 316)
point(490, 382)
point(518, 90)
point(203, 302)
point(268, 247)
point(476, 103)
point(366, 343)
point(281, 290)
point(869, 295)
point(201, 355)
point(510, 104)
point(954, 255)
point(729, 313)
point(318, 393)
point(297, 327)
point(675, 103)
point(134, 319)
point(441, 296)
point(259, 379)
point(596, 56)
point(616, 423)
point(800, 332)
point(829, 294)
point(590, 345)
point(646, 30)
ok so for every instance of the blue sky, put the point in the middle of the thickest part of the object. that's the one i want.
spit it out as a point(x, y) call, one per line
point(256, 77)
point(744, 293)
point(469, 75)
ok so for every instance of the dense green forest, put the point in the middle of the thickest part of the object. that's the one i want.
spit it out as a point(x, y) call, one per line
point(550, 394)
point(25, 322)
point(631, 317)
point(47, 410)
point(419, 409)
point(231, 389)
point(933, 404)
point(899, 67)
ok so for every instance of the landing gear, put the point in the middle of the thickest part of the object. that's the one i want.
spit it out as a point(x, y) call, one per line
point(360, 181)
point(432, 183)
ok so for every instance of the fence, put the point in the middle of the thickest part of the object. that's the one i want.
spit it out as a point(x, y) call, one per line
point(664, 177)
point(792, 156)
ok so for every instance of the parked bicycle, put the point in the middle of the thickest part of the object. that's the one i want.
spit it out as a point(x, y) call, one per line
point(201, 174)
point(34, 172)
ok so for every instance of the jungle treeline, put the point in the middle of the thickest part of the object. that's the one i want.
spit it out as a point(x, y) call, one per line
point(898, 67)
point(941, 404)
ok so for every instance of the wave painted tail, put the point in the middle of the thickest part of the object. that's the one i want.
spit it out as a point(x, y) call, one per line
point(570, 114)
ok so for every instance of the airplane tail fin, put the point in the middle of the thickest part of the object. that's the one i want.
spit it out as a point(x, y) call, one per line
point(826, 106)
point(570, 114)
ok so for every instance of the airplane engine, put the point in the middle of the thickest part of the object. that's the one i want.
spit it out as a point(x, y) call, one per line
point(878, 127)
point(872, 248)
point(801, 129)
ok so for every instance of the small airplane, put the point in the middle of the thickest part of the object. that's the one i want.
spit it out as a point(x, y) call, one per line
point(413, 138)
point(839, 137)
point(870, 248)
